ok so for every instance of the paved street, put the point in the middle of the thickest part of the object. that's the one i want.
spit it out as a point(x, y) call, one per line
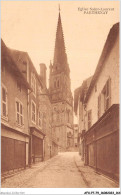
point(58, 172)
point(66, 170)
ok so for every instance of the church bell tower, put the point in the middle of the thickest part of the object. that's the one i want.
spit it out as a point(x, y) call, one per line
point(60, 92)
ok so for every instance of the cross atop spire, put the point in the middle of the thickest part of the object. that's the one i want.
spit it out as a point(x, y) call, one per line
point(59, 8)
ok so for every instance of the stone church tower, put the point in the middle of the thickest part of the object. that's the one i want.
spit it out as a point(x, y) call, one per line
point(60, 93)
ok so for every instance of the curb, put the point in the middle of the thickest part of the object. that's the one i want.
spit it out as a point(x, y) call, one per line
point(13, 173)
point(83, 177)
point(101, 175)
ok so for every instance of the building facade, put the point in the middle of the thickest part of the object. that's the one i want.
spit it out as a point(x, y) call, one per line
point(80, 112)
point(26, 113)
point(60, 93)
point(39, 109)
point(14, 114)
point(101, 111)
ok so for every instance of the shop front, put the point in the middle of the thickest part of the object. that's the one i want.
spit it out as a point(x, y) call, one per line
point(36, 145)
point(14, 149)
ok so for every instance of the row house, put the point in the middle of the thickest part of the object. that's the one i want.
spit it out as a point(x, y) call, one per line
point(37, 121)
point(41, 144)
point(99, 119)
point(39, 108)
point(14, 114)
point(79, 109)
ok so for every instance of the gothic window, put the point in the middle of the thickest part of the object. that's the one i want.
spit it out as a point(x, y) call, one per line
point(58, 84)
point(55, 84)
point(68, 114)
point(58, 117)
point(52, 117)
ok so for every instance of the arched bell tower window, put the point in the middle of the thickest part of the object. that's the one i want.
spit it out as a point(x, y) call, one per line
point(54, 84)
point(58, 83)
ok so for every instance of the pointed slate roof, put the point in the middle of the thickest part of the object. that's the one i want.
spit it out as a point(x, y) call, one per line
point(60, 57)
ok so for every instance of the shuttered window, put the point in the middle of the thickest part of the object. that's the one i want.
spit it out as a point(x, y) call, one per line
point(99, 106)
point(19, 113)
point(33, 112)
point(107, 94)
point(4, 109)
point(40, 119)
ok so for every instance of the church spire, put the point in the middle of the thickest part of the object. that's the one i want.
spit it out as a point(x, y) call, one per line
point(60, 57)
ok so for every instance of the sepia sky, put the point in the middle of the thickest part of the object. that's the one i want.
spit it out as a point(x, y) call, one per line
point(31, 26)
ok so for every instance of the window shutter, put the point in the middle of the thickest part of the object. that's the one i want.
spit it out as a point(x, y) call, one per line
point(16, 109)
point(109, 92)
point(99, 106)
point(6, 104)
point(35, 86)
point(23, 113)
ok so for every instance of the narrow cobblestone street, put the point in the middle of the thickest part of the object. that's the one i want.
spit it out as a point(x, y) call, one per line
point(58, 172)
point(62, 171)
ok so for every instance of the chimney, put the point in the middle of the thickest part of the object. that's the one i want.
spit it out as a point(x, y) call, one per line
point(43, 73)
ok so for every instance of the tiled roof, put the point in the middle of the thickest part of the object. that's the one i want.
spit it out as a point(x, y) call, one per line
point(16, 54)
point(8, 58)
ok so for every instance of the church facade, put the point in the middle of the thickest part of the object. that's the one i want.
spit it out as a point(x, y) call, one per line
point(60, 93)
